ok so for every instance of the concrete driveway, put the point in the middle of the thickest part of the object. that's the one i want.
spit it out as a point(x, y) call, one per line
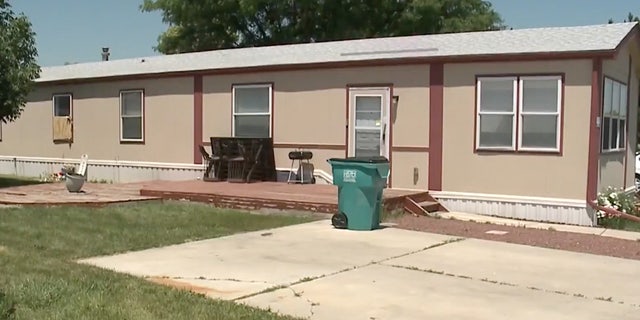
point(314, 271)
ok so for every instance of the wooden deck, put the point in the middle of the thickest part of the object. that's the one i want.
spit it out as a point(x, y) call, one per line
point(56, 194)
point(266, 195)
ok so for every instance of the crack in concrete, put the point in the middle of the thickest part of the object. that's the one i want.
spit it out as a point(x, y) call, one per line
point(311, 303)
point(502, 283)
point(307, 279)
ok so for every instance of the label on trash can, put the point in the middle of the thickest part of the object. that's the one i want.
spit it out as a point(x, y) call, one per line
point(349, 176)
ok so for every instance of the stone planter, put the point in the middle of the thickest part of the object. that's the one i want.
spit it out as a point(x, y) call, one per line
point(74, 182)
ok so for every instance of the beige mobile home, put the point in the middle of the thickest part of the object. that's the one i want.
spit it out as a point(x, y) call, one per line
point(525, 123)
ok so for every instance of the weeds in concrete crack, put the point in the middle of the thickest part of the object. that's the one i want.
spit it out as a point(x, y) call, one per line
point(311, 303)
point(502, 283)
point(534, 288)
point(610, 299)
point(490, 281)
point(579, 295)
point(560, 292)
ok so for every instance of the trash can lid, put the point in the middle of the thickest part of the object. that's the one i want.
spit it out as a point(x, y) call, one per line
point(378, 159)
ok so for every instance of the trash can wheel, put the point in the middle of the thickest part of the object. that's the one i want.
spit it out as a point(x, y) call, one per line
point(339, 221)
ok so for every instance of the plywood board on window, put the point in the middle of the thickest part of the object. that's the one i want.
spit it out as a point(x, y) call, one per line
point(62, 129)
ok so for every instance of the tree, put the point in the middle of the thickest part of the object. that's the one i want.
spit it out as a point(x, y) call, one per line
point(217, 24)
point(18, 66)
point(630, 18)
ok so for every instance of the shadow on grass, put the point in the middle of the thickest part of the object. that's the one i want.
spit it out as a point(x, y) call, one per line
point(15, 181)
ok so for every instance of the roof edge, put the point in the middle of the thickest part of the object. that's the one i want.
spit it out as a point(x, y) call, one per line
point(529, 56)
point(632, 33)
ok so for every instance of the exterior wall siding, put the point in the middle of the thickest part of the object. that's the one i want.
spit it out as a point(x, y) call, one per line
point(560, 176)
point(310, 107)
point(617, 169)
point(168, 122)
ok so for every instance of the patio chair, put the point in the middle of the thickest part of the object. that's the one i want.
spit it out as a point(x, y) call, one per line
point(209, 163)
point(237, 163)
point(253, 161)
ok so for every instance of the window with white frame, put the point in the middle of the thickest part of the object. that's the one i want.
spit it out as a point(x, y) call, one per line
point(132, 115)
point(252, 105)
point(614, 115)
point(519, 113)
point(62, 105)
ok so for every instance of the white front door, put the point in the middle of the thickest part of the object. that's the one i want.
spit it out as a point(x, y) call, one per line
point(369, 125)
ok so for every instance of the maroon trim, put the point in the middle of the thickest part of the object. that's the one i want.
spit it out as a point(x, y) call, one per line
point(626, 123)
point(272, 112)
point(410, 149)
point(310, 146)
point(594, 131)
point(366, 63)
point(436, 119)
point(197, 118)
point(346, 131)
point(144, 116)
point(390, 124)
point(517, 149)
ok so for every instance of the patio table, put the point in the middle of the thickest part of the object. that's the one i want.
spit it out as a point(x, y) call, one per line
point(244, 159)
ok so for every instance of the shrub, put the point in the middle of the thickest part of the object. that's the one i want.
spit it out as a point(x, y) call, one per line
point(618, 200)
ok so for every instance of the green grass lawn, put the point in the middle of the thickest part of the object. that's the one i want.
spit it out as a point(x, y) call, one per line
point(39, 277)
point(632, 226)
point(15, 181)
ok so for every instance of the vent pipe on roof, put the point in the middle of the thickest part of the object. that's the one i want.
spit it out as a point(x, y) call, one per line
point(105, 54)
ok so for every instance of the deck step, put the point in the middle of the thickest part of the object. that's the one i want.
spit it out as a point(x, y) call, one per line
point(423, 208)
point(430, 206)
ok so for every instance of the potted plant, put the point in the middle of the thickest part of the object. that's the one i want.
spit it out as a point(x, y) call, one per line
point(73, 180)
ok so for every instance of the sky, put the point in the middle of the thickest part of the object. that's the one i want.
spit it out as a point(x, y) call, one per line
point(76, 30)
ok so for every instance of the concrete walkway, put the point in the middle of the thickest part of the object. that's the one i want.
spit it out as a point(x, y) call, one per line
point(316, 272)
point(627, 235)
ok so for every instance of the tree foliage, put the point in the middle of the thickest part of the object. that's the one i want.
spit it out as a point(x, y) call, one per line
point(630, 18)
point(217, 24)
point(18, 65)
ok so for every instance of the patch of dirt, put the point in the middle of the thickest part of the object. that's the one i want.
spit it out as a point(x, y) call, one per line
point(569, 241)
point(183, 285)
point(3, 250)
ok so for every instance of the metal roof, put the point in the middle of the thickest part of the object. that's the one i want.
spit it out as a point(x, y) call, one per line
point(521, 41)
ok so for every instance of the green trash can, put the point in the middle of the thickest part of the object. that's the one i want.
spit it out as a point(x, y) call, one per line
point(360, 181)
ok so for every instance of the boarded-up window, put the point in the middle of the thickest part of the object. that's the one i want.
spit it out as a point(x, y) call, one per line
point(62, 121)
point(132, 115)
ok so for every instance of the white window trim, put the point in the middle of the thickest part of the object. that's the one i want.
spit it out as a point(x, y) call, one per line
point(233, 106)
point(142, 106)
point(57, 95)
point(479, 81)
point(517, 113)
point(625, 118)
point(557, 113)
